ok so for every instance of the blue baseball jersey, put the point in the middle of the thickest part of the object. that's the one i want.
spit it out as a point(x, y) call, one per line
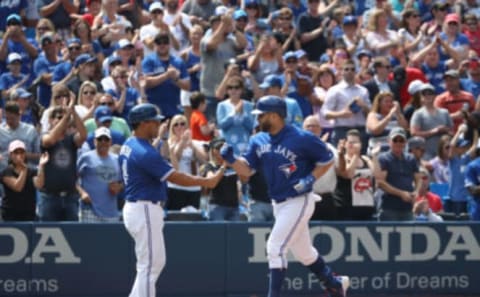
point(472, 175)
point(285, 158)
point(40, 66)
point(144, 171)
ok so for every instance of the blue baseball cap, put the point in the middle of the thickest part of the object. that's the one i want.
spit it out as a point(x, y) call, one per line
point(114, 59)
point(239, 13)
point(364, 52)
point(144, 112)
point(300, 53)
point(83, 59)
point(22, 93)
point(271, 103)
point(103, 114)
point(271, 80)
point(290, 55)
point(250, 2)
point(262, 24)
point(462, 142)
point(350, 20)
point(14, 19)
point(72, 41)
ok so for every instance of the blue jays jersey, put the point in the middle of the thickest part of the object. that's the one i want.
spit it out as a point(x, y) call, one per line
point(144, 171)
point(285, 158)
point(472, 175)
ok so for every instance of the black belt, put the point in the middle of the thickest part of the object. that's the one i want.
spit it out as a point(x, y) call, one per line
point(60, 194)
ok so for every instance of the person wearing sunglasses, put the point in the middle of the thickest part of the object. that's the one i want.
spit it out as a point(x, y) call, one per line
point(347, 103)
point(63, 71)
point(58, 199)
point(380, 82)
point(107, 103)
point(430, 122)
point(234, 117)
point(44, 66)
point(165, 75)
point(99, 181)
point(398, 175)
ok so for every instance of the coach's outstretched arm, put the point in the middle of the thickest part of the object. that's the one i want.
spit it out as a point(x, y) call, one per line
point(239, 165)
point(188, 180)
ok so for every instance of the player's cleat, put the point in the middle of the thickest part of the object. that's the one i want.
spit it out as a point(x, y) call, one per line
point(342, 290)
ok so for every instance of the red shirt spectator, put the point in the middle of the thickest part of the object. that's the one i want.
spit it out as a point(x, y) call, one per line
point(434, 201)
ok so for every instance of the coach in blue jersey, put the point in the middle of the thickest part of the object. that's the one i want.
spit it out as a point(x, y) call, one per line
point(144, 174)
point(291, 160)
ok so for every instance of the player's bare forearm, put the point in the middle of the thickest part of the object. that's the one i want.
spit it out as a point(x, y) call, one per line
point(241, 167)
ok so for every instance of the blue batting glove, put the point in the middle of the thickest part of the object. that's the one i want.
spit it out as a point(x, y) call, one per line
point(305, 184)
point(227, 153)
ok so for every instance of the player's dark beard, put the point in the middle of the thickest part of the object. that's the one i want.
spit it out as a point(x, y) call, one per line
point(265, 126)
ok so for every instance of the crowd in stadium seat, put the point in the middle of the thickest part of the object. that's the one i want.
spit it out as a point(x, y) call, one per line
point(392, 86)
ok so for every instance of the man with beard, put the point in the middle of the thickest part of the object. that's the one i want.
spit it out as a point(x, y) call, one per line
point(165, 76)
point(291, 160)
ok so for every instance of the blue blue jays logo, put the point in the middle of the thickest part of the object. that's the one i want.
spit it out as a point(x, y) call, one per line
point(288, 169)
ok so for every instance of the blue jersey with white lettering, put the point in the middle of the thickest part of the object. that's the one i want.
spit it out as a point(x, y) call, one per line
point(143, 170)
point(285, 158)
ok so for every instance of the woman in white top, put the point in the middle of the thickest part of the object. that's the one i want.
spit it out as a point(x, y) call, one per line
point(184, 156)
point(86, 100)
point(380, 39)
point(267, 59)
point(324, 79)
point(410, 35)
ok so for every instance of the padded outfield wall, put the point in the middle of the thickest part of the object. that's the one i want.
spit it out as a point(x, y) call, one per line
point(228, 259)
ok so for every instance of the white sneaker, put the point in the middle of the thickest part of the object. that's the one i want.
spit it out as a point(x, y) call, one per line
point(337, 292)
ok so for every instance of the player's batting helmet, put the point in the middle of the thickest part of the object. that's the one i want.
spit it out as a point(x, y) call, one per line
point(144, 112)
point(271, 103)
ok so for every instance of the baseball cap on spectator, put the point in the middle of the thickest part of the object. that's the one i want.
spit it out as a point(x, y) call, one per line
point(124, 43)
point(114, 60)
point(15, 145)
point(397, 131)
point(271, 80)
point(239, 13)
point(290, 55)
point(324, 58)
point(103, 131)
point(300, 53)
point(440, 5)
point(363, 53)
point(350, 20)
point(414, 86)
point(155, 6)
point(103, 114)
point(262, 24)
point(47, 37)
point(14, 19)
point(83, 59)
point(452, 18)
point(461, 142)
point(416, 142)
point(427, 87)
point(452, 73)
point(221, 10)
point(276, 14)
point(20, 93)
point(72, 41)
point(14, 57)
point(250, 3)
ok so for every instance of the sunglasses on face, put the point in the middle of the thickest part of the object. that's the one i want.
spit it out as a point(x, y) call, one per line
point(107, 103)
point(291, 61)
point(398, 140)
point(234, 87)
point(162, 42)
point(428, 93)
point(182, 124)
point(157, 12)
point(43, 29)
point(349, 69)
point(103, 139)
point(89, 92)
point(74, 48)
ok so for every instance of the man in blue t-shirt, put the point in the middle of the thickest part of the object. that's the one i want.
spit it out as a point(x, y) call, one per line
point(165, 76)
point(43, 68)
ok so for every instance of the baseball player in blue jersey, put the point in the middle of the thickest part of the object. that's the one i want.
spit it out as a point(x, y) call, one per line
point(144, 173)
point(291, 160)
